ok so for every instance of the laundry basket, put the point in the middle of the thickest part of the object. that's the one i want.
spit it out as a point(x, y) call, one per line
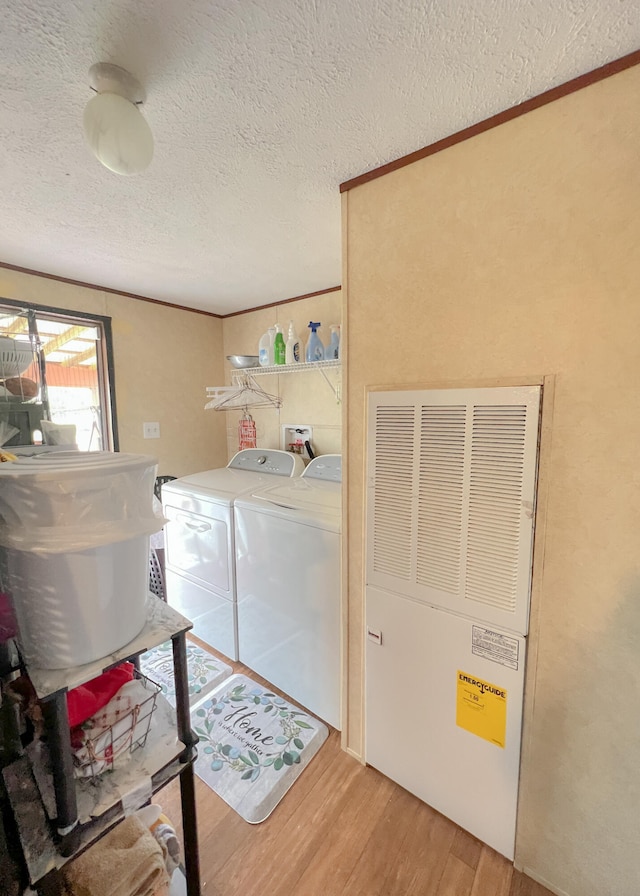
point(160, 481)
point(156, 575)
point(156, 555)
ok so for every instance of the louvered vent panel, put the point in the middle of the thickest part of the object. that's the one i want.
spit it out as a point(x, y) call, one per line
point(393, 490)
point(440, 497)
point(495, 505)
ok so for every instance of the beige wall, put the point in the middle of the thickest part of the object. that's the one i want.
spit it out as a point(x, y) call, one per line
point(307, 398)
point(515, 255)
point(164, 358)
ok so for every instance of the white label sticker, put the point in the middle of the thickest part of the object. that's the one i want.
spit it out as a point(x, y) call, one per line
point(495, 647)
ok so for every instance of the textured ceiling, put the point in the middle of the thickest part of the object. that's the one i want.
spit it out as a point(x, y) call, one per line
point(259, 109)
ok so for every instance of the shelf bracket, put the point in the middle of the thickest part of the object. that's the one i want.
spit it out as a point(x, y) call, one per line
point(335, 389)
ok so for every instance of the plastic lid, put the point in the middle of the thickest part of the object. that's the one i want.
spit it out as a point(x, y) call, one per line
point(65, 462)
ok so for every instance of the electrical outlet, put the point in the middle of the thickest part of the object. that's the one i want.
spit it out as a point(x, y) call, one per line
point(151, 430)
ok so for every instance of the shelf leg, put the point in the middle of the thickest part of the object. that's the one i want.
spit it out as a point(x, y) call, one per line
point(56, 719)
point(185, 733)
point(190, 831)
point(187, 785)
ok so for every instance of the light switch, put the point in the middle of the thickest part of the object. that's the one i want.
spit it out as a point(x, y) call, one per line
point(151, 430)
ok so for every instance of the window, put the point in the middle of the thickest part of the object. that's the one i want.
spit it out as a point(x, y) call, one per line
point(56, 378)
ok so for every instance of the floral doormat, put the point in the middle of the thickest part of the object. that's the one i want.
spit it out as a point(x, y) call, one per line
point(253, 745)
point(205, 671)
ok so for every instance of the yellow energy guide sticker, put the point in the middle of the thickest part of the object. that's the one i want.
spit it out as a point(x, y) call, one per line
point(481, 708)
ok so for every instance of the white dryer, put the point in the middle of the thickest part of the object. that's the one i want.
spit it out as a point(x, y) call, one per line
point(288, 583)
point(199, 540)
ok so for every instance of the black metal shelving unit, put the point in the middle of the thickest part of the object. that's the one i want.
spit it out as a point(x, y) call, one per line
point(58, 816)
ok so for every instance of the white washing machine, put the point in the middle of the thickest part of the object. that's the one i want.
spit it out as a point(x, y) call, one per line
point(199, 540)
point(288, 583)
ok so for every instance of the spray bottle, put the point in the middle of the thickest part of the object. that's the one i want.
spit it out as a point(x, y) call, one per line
point(292, 348)
point(315, 348)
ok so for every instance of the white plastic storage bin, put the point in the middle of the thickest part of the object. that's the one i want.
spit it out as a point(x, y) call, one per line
point(76, 527)
point(74, 607)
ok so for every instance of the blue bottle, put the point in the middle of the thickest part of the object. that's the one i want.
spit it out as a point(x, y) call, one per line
point(315, 348)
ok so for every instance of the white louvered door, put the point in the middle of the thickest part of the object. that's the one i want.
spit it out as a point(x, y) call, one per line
point(450, 499)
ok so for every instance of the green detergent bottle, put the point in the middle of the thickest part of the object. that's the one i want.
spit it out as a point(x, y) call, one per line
point(278, 347)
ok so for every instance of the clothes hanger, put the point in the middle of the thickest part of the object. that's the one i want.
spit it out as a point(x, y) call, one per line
point(246, 393)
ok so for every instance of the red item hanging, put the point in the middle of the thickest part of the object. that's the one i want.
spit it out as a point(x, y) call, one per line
point(247, 432)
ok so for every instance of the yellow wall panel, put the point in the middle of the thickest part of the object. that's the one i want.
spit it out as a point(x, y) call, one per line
point(510, 257)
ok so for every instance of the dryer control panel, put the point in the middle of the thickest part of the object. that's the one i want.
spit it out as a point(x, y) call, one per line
point(267, 460)
point(326, 466)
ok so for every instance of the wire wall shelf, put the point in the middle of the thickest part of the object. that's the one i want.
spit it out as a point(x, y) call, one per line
point(245, 393)
point(321, 366)
point(289, 368)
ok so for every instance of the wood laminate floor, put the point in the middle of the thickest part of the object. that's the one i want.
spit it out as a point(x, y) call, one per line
point(343, 828)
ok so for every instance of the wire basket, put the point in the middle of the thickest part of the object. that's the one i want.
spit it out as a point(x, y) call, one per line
point(16, 356)
point(112, 745)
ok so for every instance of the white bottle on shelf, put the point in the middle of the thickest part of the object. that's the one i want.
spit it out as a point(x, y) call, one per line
point(292, 350)
point(265, 348)
point(332, 351)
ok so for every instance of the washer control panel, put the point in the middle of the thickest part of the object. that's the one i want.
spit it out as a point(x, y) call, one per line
point(267, 460)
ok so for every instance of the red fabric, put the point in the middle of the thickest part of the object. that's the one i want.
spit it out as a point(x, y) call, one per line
point(85, 700)
point(8, 625)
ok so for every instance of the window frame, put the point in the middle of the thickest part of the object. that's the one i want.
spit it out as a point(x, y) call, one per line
point(107, 384)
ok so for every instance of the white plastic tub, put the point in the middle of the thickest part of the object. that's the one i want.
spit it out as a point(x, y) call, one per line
point(76, 527)
point(77, 606)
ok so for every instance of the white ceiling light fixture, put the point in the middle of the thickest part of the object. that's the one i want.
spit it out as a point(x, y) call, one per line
point(116, 132)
